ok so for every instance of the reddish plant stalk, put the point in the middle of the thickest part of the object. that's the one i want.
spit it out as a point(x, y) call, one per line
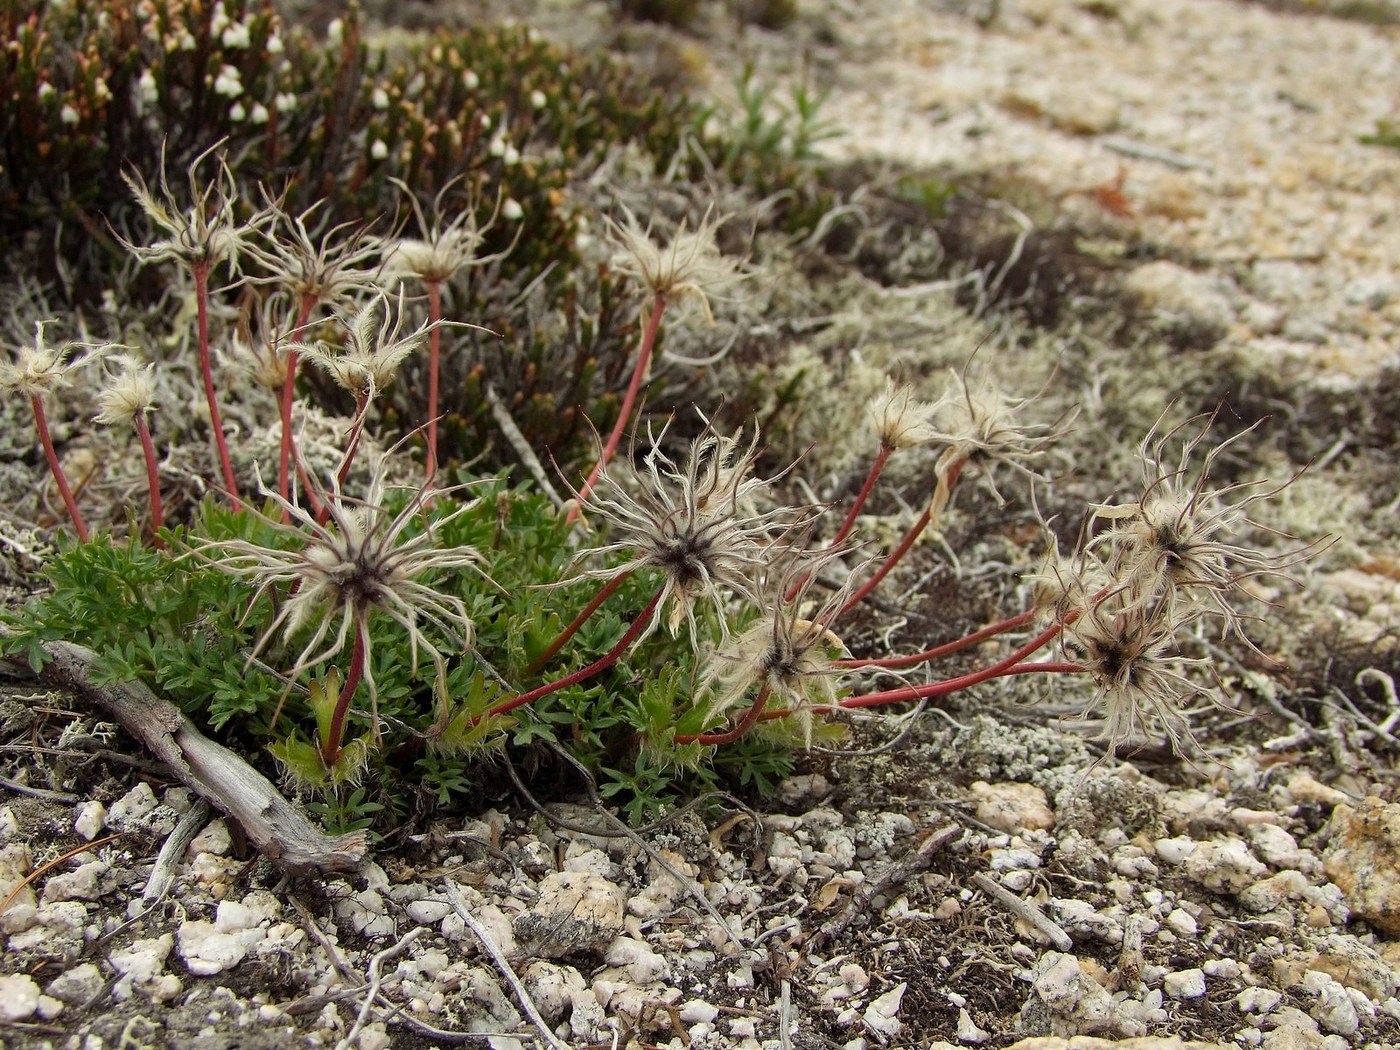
point(604, 593)
point(947, 648)
point(148, 449)
point(584, 673)
point(750, 719)
point(1007, 665)
point(849, 523)
point(352, 443)
point(330, 747)
point(284, 461)
point(41, 423)
point(629, 400)
point(889, 563)
point(200, 272)
point(434, 360)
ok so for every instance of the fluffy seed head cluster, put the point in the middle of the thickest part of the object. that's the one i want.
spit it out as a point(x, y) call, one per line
point(689, 270)
point(39, 368)
point(441, 250)
point(898, 419)
point(373, 348)
point(1127, 643)
point(1180, 538)
point(128, 394)
point(332, 266)
point(979, 425)
point(791, 648)
point(206, 233)
point(694, 522)
point(364, 560)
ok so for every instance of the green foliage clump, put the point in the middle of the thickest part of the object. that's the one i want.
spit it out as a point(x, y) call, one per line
point(190, 631)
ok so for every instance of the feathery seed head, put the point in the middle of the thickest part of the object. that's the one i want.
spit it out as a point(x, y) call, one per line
point(979, 426)
point(693, 523)
point(1124, 640)
point(898, 419)
point(129, 394)
point(365, 559)
point(39, 368)
point(204, 234)
point(373, 347)
point(690, 270)
point(329, 266)
point(791, 648)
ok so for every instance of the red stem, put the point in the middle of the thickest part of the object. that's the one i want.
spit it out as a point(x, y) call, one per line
point(750, 719)
point(888, 564)
point(588, 610)
point(352, 443)
point(206, 368)
point(629, 400)
point(330, 747)
point(284, 479)
point(148, 448)
point(864, 494)
point(584, 673)
point(1005, 666)
point(41, 422)
point(947, 648)
point(434, 357)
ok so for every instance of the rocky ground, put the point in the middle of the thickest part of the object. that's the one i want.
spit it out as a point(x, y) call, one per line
point(1183, 209)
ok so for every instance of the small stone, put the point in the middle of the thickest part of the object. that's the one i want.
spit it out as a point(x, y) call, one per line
point(91, 819)
point(643, 965)
point(968, 1032)
point(1224, 865)
point(214, 840)
point(78, 985)
point(87, 882)
point(1334, 1009)
point(553, 988)
point(1303, 789)
point(1081, 920)
point(697, 1011)
point(1258, 1000)
point(574, 911)
point(19, 997)
point(427, 911)
point(128, 811)
point(49, 1007)
point(1012, 807)
point(882, 1015)
point(806, 787)
point(1180, 922)
point(1269, 894)
point(206, 951)
point(1274, 846)
point(1174, 850)
point(1185, 984)
point(1076, 1002)
point(1364, 862)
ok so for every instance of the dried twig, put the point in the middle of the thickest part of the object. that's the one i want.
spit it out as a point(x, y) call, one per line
point(33, 792)
point(459, 905)
point(280, 831)
point(521, 446)
point(163, 874)
point(897, 871)
point(1023, 910)
point(372, 989)
point(43, 869)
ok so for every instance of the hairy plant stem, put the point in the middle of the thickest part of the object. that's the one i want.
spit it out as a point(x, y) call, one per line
point(148, 449)
point(41, 423)
point(947, 648)
point(434, 360)
point(947, 478)
point(604, 593)
point(200, 272)
point(1011, 664)
point(629, 400)
point(284, 460)
point(862, 496)
point(584, 673)
point(330, 747)
point(750, 719)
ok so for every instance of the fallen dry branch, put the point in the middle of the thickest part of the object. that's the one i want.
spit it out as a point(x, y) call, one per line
point(276, 828)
